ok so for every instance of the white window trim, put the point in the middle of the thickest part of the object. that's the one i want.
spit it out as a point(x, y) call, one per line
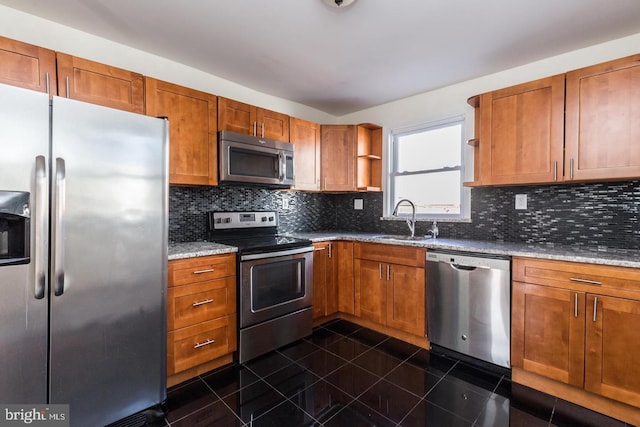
point(466, 168)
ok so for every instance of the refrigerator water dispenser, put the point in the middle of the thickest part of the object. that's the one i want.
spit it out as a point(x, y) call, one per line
point(14, 227)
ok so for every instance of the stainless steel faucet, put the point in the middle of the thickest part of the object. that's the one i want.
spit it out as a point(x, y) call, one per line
point(434, 230)
point(410, 222)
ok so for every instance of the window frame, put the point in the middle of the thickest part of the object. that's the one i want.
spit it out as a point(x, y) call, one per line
point(392, 164)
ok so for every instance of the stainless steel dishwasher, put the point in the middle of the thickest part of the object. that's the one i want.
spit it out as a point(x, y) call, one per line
point(469, 304)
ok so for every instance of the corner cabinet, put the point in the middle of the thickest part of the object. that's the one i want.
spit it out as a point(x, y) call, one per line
point(351, 157)
point(305, 137)
point(201, 315)
point(603, 121)
point(390, 286)
point(193, 153)
point(576, 324)
point(244, 118)
point(100, 84)
point(27, 66)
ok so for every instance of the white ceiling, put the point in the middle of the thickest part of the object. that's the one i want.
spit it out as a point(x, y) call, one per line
point(344, 60)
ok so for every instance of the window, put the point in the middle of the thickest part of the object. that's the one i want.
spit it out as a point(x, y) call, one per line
point(427, 168)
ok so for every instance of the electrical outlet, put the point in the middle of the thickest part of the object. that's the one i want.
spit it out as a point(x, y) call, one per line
point(521, 201)
point(285, 203)
point(358, 204)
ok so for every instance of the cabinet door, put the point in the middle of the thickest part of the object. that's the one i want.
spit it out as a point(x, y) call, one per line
point(332, 283)
point(100, 84)
point(338, 151)
point(344, 276)
point(547, 332)
point(193, 153)
point(406, 299)
point(370, 285)
point(236, 116)
point(272, 125)
point(522, 133)
point(320, 263)
point(603, 121)
point(27, 66)
point(612, 362)
point(305, 136)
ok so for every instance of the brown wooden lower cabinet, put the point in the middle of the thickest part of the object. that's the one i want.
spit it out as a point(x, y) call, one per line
point(577, 324)
point(390, 286)
point(612, 352)
point(201, 315)
point(203, 342)
point(325, 286)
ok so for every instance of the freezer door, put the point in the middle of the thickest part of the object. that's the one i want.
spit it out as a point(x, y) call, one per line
point(24, 137)
point(109, 261)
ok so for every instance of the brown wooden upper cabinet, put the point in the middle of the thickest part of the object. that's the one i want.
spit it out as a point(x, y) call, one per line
point(27, 66)
point(521, 133)
point(603, 121)
point(192, 124)
point(351, 157)
point(305, 136)
point(100, 84)
point(251, 120)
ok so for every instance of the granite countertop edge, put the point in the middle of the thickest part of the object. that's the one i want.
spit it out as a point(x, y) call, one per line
point(195, 249)
point(598, 255)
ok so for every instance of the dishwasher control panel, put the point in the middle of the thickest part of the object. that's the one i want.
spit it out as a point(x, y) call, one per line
point(470, 260)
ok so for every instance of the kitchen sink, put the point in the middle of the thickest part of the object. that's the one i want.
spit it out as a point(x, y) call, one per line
point(399, 237)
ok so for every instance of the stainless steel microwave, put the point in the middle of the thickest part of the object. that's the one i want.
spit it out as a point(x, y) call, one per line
point(253, 160)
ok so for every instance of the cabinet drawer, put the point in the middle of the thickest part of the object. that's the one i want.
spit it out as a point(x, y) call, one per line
point(402, 255)
point(602, 279)
point(195, 345)
point(199, 302)
point(201, 269)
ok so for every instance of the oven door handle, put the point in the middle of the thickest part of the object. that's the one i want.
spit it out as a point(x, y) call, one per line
point(266, 255)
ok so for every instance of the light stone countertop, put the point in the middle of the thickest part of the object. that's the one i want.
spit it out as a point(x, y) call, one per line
point(596, 255)
point(195, 249)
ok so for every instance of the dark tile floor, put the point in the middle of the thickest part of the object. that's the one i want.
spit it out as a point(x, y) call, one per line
point(344, 375)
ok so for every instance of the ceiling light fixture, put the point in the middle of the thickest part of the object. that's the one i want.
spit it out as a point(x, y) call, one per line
point(338, 3)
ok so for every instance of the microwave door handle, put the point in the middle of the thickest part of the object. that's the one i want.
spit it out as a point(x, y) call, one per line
point(283, 166)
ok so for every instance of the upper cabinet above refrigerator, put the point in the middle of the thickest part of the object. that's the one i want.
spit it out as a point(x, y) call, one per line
point(100, 84)
point(27, 66)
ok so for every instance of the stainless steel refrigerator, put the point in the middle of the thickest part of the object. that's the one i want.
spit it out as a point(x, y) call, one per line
point(83, 256)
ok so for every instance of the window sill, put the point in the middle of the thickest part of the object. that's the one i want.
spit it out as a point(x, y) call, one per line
point(426, 219)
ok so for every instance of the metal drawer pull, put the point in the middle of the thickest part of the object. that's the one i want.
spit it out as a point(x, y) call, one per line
point(207, 342)
point(380, 270)
point(199, 303)
point(595, 308)
point(575, 305)
point(209, 270)
point(388, 272)
point(588, 282)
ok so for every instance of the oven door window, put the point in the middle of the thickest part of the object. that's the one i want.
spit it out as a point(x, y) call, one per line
point(262, 164)
point(277, 283)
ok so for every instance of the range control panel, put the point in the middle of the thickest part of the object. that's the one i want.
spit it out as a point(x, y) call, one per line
point(227, 220)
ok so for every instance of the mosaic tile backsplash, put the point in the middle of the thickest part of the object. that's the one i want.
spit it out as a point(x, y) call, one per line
point(600, 214)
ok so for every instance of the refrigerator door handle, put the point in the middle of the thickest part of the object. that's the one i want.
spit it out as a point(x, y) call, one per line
point(40, 226)
point(58, 262)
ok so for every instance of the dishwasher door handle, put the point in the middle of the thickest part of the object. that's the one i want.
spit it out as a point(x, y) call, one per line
point(461, 267)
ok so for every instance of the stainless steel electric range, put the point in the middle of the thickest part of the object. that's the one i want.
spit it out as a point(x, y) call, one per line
point(275, 280)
